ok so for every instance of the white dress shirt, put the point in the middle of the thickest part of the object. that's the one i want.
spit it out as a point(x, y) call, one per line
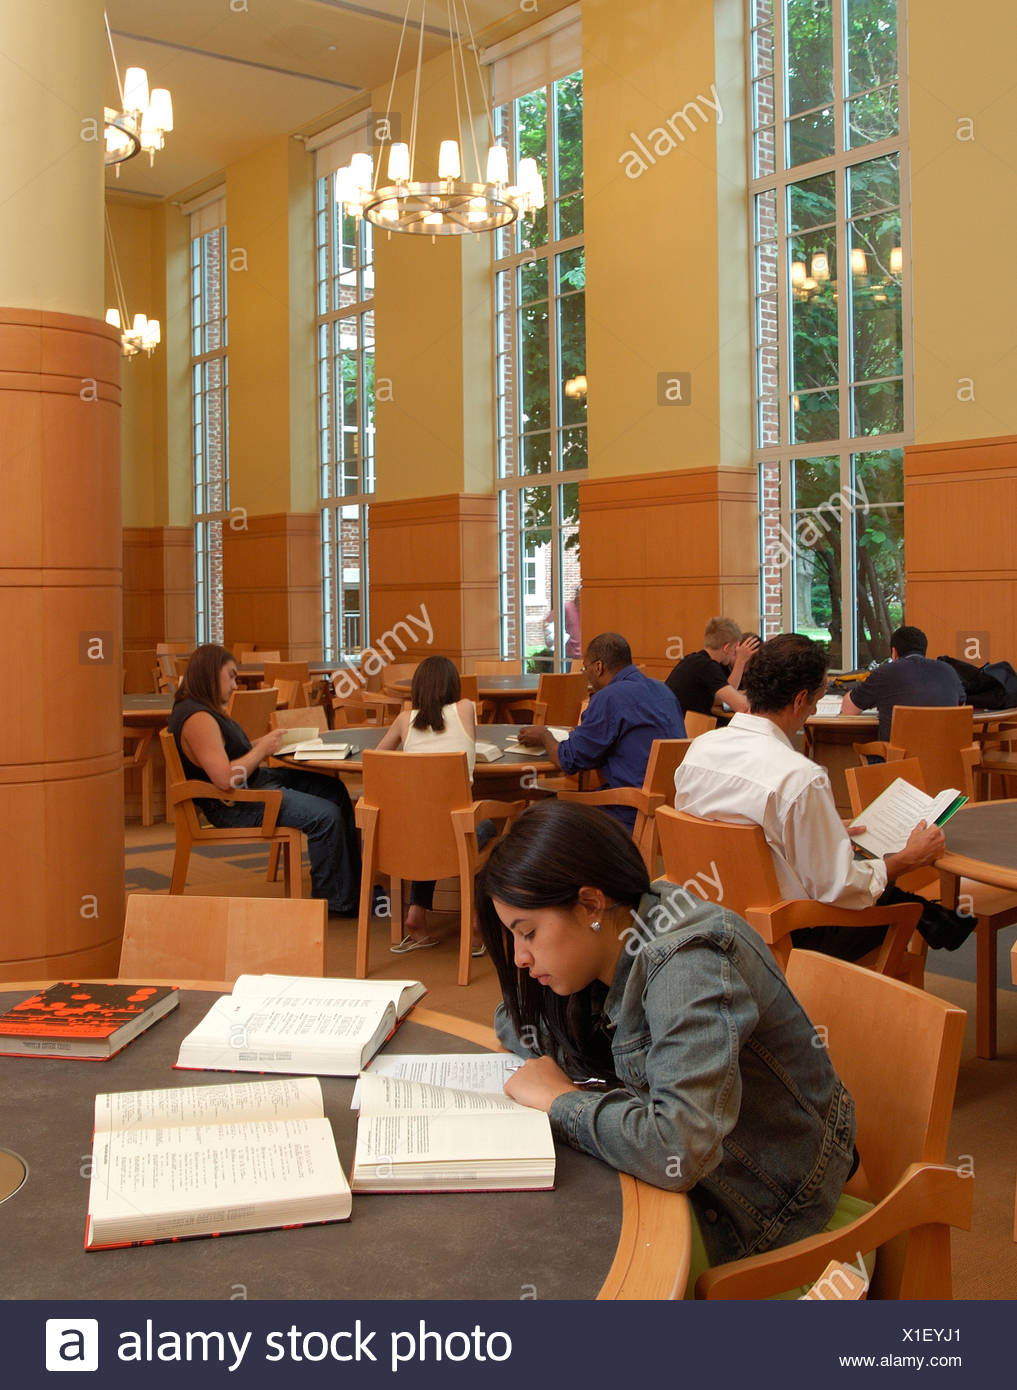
point(749, 773)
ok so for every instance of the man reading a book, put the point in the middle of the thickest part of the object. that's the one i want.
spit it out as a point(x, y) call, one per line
point(750, 773)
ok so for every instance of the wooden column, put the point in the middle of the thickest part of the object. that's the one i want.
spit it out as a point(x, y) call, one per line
point(665, 552)
point(61, 786)
point(442, 553)
point(272, 584)
point(960, 516)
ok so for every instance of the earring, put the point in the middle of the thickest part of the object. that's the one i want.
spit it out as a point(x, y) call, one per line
point(594, 926)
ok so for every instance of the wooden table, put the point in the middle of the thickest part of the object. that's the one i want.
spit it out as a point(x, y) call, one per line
point(149, 712)
point(499, 690)
point(252, 673)
point(598, 1234)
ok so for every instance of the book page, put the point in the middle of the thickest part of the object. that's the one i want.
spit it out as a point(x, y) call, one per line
point(407, 1138)
point(463, 1071)
point(355, 993)
point(247, 1101)
point(293, 738)
point(284, 1022)
point(389, 1094)
point(890, 819)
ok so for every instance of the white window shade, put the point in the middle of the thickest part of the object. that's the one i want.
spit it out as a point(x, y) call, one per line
point(535, 57)
point(206, 212)
point(334, 148)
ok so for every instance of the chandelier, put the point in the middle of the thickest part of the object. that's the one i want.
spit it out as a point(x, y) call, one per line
point(143, 119)
point(452, 205)
point(144, 334)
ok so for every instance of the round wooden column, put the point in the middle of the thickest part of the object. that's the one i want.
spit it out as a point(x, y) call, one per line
point(61, 785)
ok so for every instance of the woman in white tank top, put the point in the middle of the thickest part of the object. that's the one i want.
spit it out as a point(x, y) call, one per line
point(439, 722)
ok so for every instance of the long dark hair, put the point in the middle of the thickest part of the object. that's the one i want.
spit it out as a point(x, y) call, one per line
point(201, 679)
point(554, 849)
point(435, 684)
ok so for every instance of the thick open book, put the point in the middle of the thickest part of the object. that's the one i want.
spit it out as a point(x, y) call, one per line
point(83, 1021)
point(890, 819)
point(212, 1160)
point(321, 749)
point(297, 1023)
point(412, 1137)
point(488, 752)
point(462, 1071)
point(293, 738)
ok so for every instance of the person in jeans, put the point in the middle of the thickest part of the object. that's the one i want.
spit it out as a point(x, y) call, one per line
point(439, 722)
point(707, 1073)
point(214, 748)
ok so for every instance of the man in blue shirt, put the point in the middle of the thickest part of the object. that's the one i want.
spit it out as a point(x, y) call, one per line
point(627, 711)
point(908, 678)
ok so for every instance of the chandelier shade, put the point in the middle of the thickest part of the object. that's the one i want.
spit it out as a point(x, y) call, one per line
point(144, 118)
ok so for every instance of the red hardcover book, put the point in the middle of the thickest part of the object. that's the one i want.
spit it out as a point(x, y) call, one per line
point(83, 1021)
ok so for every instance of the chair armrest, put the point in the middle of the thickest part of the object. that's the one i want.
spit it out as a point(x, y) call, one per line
point(776, 923)
point(469, 817)
point(536, 709)
point(206, 791)
point(647, 802)
point(141, 738)
point(878, 748)
point(927, 1194)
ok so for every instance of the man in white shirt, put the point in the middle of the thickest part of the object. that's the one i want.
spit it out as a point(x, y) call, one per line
point(750, 773)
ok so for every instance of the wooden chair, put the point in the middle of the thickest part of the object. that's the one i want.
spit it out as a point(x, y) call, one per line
point(369, 707)
point(419, 821)
point(484, 666)
point(137, 758)
point(311, 717)
point(741, 857)
point(696, 723)
point(897, 1051)
point(992, 908)
point(666, 756)
point(941, 737)
point(558, 701)
point(221, 938)
point(251, 709)
point(180, 665)
point(469, 691)
point(190, 831)
point(397, 671)
point(289, 694)
point(297, 671)
point(266, 658)
point(998, 758)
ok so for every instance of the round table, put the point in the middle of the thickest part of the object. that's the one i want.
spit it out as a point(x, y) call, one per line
point(598, 1234)
point(498, 690)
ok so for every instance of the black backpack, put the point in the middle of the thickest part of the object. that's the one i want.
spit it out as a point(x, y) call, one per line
point(992, 686)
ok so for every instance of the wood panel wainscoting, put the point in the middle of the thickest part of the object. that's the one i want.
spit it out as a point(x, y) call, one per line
point(272, 582)
point(158, 586)
point(665, 552)
point(441, 552)
point(61, 592)
point(960, 518)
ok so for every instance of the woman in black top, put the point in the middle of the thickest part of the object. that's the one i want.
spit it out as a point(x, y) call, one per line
point(215, 749)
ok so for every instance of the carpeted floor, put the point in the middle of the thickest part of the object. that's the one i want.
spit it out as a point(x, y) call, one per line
point(983, 1136)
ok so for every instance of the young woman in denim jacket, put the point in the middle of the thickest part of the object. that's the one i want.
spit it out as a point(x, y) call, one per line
point(714, 1082)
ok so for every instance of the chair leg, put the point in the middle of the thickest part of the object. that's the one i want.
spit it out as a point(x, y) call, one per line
point(364, 921)
point(181, 859)
point(273, 861)
point(395, 895)
point(465, 927)
point(985, 990)
point(146, 793)
point(294, 867)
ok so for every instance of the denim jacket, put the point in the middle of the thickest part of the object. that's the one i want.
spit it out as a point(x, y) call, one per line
point(728, 1091)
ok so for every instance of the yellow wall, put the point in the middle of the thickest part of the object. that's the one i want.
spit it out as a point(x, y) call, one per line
point(433, 316)
point(963, 113)
point(137, 235)
point(651, 233)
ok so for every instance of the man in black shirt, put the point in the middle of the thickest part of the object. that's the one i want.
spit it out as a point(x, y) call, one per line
point(702, 679)
point(908, 678)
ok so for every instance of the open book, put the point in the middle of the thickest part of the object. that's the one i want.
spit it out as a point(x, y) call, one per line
point(890, 819)
point(323, 748)
point(293, 738)
point(297, 1023)
point(412, 1137)
point(210, 1160)
point(462, 1071)
point(488, 752)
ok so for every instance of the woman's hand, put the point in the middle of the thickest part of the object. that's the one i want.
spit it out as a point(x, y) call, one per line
point(268, 743)
point(538, 1082)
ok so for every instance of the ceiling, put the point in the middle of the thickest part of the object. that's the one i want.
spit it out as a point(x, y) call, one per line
point(242, 72)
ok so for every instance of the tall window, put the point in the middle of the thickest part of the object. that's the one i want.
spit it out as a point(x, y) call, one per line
point(832, 360)
point(540, 324)
point(209, 417)
point(345, 327)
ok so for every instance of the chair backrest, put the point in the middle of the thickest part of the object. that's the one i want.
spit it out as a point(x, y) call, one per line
point(180, 665)
point(415, 794)
point(138, 672)
point(251, 708)
point(486, 666)
point(288, 693)
point(696, 723)
point(256, 654)
point(935, 735)
point(897, 1050)
point(563, 693)
point(398, 671)
point(864, 784)
point(737, 854)
point(666, 756)
point(309, 717)
point(175, 770)
point(277, 670)
point(469, 689)
point(174, 648)
point(177, 936)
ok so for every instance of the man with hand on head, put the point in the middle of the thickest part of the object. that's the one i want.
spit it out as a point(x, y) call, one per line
point(751, 774)
point(703, 679)
point(627, 711)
